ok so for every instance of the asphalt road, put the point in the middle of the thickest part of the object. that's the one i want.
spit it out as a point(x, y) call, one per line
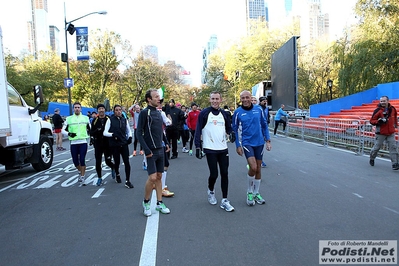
point(312, 192)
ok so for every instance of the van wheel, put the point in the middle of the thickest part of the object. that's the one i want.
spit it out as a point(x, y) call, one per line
point(45, 154)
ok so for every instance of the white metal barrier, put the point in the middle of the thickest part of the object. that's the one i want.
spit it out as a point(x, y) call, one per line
point(352, 134)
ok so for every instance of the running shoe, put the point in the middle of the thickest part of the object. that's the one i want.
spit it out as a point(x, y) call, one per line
point(263, 165)
point(190, 153)
point(211, 197)
point(250, 199)
point(128, 184)
point(184, 150)
point(134, 153)
point(147, 208)
point(99, 181)
point(167, 193)
point(225, 205)
point(118, 179)
point(162, 208)
point(258, 199)
point(113, 173)
point(144, 166)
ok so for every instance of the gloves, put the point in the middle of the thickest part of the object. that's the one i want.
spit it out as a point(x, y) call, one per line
point(114, 136)
point(129, 140)
point(232, 137)
point(383, 120)
point(72, 135)
point(198, 153)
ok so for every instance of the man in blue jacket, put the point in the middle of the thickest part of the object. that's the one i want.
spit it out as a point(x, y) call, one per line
point(254, 134)
point(277, 119)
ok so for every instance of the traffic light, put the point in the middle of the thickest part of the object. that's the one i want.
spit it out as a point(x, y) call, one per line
point(71, 28)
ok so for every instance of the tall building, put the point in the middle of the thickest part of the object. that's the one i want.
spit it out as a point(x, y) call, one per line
point(288, 7)
point(210, 47)
point(150, 52)
point(256, 10)
point(55, 39)
point(38, 28)
point(314, 25)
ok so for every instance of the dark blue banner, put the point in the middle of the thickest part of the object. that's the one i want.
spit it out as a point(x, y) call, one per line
point(82, 43)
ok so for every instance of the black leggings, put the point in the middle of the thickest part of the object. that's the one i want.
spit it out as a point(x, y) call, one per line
point(213, 160)
point(123, 151)
point(192, 134)
point(136, 140)
point(276, 125)
point(99, 150)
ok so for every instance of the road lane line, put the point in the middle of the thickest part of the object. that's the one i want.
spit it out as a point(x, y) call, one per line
point(357, 195)
point(333, 185)
point(98, 193)
point(149, 248)
point(392, 210)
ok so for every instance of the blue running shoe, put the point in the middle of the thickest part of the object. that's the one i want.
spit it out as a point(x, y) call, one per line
point(99, 181)
point(144, 167)
point(263, 165)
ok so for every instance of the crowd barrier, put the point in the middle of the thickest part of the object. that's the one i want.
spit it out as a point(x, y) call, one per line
point(356, 135)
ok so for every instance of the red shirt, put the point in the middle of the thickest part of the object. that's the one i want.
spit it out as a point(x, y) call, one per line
point(192, 119)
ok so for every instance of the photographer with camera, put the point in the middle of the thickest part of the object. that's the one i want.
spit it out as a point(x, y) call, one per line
point(385, 119)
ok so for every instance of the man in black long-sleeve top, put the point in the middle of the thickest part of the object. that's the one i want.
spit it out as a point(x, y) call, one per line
point(100, 142)
point(172, 131)
point(150, 135)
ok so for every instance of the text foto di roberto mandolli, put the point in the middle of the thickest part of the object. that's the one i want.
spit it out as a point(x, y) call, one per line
point(358, 252)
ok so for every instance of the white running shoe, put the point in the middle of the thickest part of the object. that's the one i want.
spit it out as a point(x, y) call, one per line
point(162, 208)
point(225, 205)
point(211, 197)
point(147, 208)
point(250, 199)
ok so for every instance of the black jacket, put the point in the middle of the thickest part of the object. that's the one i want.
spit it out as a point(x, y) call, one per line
point(97, 130)
point(57, 121)
point(118, 130)
point(149, 130)
point(177, 116)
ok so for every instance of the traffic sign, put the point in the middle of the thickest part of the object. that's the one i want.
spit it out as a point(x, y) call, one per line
point(68, 82)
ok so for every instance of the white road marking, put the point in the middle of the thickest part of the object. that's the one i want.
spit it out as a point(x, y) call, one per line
point(29, 177)
point(149, 248)
point(333, 185)
point(98, 193)
point(389, 209)
point(302, 171)
point(357, 195)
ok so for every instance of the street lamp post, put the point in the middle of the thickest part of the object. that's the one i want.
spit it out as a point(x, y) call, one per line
point(329, 85)
point(69, 27)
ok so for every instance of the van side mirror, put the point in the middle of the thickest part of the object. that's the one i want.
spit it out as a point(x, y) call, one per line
point(38, 96)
